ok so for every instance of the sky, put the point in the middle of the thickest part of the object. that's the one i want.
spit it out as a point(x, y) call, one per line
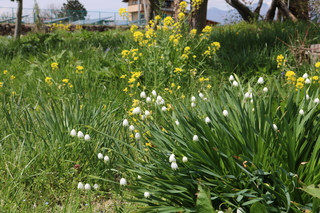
point(101, 5)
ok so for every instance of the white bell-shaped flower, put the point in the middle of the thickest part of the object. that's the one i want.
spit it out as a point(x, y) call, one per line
point(231, 78)
point(87, 186)
point(301, 112)
point(305, 75)
point(146, 194)
point(143, 94)
point(193, 99)
point(106, 158)
point(177, 122)
point(265, 89)
point(193, 104)
point(80, 134)
point(123, 182)
point(172, 158)
point(225, 113)
point(316, 100)
point(260, 80)
point(207, 120)
point(80, 185)
point(307, 81)
point(95, 186)
point(87, 137)
point(136, 110)
point(147, 113)
point(137, 136)
point(100, 156)
point(163, 108)
point(195, 138)
point(184, 159)
point(73, 133)
point(275, 127)
point(154, 93)
point(235, 83)
point(174, 165)
point(131, 127)
point(125, 122)
point(148, 100)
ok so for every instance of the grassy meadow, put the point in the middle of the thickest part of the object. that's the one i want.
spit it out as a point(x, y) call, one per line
point(162, 119)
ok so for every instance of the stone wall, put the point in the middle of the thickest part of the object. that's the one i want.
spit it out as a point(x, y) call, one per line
point(8, 29)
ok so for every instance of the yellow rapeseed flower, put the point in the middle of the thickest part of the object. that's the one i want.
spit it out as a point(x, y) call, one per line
point(131, 80)
point(290, 74)
point(65, 80)
point(123, 76)
point(123, 13)
point(317, 65)
point(54, 65)
point(1, 84)
point(12, 77)
point(79, 67)
point(178, 70)
point(135, 102)
point(193, 32)
point(202, 79)
point(181, 16)
point(183, 6)
point(168, 21)
point(133, 27)
point(136, 74)
point(48, 80)
point(315, 78)
point(5, 72)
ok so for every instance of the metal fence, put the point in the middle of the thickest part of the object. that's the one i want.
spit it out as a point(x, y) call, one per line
point(50, 16)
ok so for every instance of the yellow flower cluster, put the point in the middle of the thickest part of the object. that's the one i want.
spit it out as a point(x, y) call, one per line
point(132, 79)
point(123, 13)
point(193, 32)
point(212, 49)
point(317, 65)
point(60, 26)
point(168, 21)
point(206, 32)
point(133, 28)
point(183, 6)
point(66, 82)
point(175, 39)
point(181, 16)
point(79, 69)
point(178, 70)
point(280, 61)
point(196, 4)
point(131, 55)
point(54, 65)
point(48, 80)
point(291, 77)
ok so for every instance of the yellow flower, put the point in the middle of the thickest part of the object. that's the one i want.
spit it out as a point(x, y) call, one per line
point(48, 80)
point(207, 29)
point(125, 89)
point(300, 79)
point(172, 84)
point(315, 78)
point(202, 79)
point(133, 27)
point(178, 70)
point(216, 45)
point(123, 13)
point(299, 85)
point(135, 102)
point(54, 65)
point(193, 32)
point(80, 68)
point(1, 84)
point(196, 4)
point(70, 85)
point(149, 144)
point(5, 71)
point(183, 6)
point(290, 74)
point(181, 16)
point(136, 74)
point(131, 80)
point(138, 36)
point(123, 76)
point(168, 21)
point(317, 65)
point(65, 80)
point(12, 77)
point(209, 86)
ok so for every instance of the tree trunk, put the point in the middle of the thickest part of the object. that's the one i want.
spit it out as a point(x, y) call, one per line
point(155, 6)
point(299, 8)
point(17, 31)
point(272, 11)
point(176, 9)
point(242, 9)
point(285, 11)
point(146, 12)
point(199, 17)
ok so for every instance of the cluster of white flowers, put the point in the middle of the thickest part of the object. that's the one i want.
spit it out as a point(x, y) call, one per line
point(105, 158)
point(80, 134)
point(87, 186)
point(173, 161)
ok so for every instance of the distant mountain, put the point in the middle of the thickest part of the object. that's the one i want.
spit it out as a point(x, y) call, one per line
point(227, 16)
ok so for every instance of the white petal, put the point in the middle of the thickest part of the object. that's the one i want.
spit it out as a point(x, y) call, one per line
point(225, 113)
point(137, 136)
point(275, 127)
point(148, 100)
point(193, 104)
point(177, 122)
point(154, 93)
point(265, 89)
point(260, 80)
point(163, 108)
point(172, 158)
point(207, 120)
point(235, 83)
point(95, 186)
point(231, 78)
point(131, 127)
point(193, 99)
point(301, 112)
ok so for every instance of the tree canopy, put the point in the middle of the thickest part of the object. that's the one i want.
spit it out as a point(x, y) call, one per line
point(73, 9)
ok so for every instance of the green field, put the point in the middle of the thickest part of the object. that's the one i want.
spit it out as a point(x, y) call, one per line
point(162, 120)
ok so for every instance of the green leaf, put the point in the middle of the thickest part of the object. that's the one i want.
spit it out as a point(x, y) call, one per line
point(203, 200)
point(258, 208)
point(312, 190)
